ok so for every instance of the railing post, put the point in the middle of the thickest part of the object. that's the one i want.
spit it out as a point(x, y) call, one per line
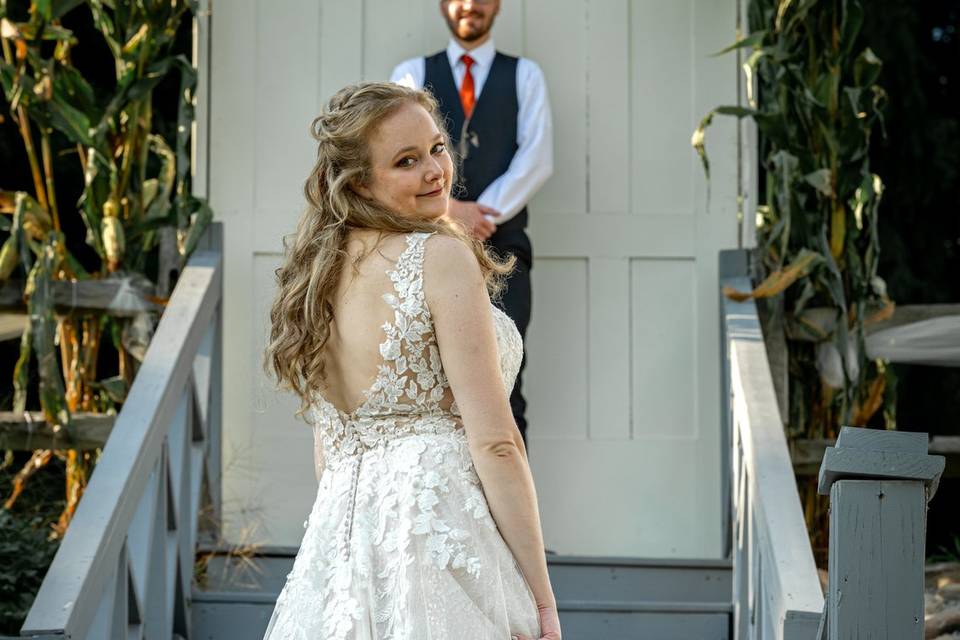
point(879, 484)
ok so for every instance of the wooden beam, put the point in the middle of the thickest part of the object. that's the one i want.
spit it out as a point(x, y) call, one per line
point(26, 432)
point(902, 315)
point(807, 454)
point(120, 296)
point(911, 313)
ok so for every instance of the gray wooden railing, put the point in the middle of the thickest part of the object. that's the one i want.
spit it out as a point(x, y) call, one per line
point(879, 484)
point(125, 566)
point(776, 590)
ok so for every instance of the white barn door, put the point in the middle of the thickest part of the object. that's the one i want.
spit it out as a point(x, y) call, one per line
point(623, 372)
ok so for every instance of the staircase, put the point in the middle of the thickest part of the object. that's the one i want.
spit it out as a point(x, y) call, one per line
point(125, 568)
point(598, 598)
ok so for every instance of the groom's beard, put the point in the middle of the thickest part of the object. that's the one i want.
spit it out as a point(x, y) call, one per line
point(466, 31)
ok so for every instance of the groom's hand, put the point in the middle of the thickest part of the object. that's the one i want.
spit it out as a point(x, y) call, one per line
point(475, 218)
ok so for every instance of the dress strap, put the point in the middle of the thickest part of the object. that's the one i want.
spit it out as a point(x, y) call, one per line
point(411, 372)
point(407, 277)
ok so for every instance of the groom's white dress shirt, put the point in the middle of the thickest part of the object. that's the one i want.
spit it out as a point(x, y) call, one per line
point(532, 163)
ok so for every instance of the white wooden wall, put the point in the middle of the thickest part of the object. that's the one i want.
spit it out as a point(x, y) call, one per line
point(623, 374)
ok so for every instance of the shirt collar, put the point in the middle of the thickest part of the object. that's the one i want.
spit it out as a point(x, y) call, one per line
point(482, 55)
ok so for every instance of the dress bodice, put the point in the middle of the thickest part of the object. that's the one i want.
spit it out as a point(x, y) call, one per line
point(410, 393)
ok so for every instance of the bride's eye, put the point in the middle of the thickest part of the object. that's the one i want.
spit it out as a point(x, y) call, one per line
point(437, 148)
point(402, 163)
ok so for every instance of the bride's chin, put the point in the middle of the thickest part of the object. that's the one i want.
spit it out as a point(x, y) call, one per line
point(435, 213)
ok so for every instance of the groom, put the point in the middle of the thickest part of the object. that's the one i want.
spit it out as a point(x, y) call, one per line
point(497, 112)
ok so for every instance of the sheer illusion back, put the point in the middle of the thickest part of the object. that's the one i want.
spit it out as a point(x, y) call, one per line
point(382, 351)
point(400, 543)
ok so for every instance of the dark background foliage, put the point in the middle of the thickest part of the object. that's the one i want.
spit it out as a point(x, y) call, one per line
point(25, 550)
point(919, 43)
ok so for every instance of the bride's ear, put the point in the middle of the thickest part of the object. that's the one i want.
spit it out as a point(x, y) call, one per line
point(361, 190)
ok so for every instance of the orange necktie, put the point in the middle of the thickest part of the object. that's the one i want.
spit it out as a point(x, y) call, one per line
point(467, 97)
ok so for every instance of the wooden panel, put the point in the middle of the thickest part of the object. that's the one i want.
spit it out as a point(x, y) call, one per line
point(609, 323)
point(626, 89)
point(713, 462)
point(433, 31)
point(613, 236)
point(341, 45)
point(876, 559)
point(510, 30)
point(602, 495)
point(594, 235)
point(280, 455)
point(289, 67)
point(233, 110)
point(555, 379)
point(663, 346)
point(661, 115)
point(608, 106)
point(392, 32)
point(714, 84)
point(233, 120)
point(565, 70)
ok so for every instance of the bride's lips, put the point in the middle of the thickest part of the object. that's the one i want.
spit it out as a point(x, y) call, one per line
point(431, 194)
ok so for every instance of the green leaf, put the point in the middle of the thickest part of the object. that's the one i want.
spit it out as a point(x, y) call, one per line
point(43, 324)
point(200, 218)
point(61, 7)
point(21, 371)
point(46, 31)
point(850, 27)
point(697, 140)
point(821, 180)
point(157, 191)
point(116, 388)
point(739, 112)
point(799, 15)
point(866, 68)
point(71, 87)
point(43, 9)
point(70, 121)
point(755, 39)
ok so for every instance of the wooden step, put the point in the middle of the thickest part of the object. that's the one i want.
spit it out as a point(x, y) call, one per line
point(598, 598)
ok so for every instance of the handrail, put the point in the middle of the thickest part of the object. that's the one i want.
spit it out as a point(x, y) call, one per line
point(776, 590)
point(125, 565)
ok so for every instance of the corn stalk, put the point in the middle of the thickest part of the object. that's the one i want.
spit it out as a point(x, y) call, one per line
point(125, 204)
point(816, 103)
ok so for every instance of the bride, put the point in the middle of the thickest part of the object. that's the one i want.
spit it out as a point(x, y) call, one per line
point(425, 523)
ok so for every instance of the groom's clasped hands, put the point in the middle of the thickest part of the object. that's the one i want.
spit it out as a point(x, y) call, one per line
point(476, 218)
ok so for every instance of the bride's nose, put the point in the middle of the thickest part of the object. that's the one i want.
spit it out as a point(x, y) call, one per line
point(434, 173)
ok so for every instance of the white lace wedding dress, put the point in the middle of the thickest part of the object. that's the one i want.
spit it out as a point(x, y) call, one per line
point(400, 544)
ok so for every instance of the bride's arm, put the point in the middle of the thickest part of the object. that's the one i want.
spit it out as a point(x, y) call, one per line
point(463, 322)
point(318, 460)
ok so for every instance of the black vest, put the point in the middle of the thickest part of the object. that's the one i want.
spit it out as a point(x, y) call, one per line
point(489, 137)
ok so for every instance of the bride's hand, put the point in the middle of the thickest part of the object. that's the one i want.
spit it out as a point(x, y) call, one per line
point(549, 624)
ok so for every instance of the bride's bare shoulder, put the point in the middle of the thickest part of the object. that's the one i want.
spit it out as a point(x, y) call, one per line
point(446, 256)
point(451, 275)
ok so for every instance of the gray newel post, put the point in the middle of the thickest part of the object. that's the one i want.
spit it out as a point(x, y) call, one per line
point(879, 484)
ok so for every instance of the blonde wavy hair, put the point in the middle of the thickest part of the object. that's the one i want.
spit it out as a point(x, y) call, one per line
point(307, 281)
